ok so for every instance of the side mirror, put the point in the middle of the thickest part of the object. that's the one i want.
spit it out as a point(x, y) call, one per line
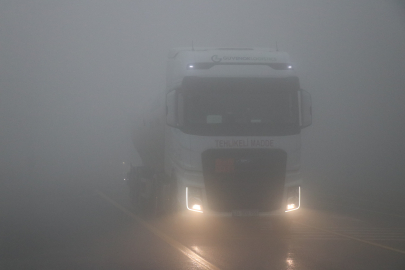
point(171, 109)
point(306, 109)
point(174, 109)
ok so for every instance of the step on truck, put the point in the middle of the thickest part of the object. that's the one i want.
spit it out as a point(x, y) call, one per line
point(223, 138)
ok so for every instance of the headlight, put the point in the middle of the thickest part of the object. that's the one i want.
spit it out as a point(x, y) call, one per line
point(194, 199)
point(293, 198)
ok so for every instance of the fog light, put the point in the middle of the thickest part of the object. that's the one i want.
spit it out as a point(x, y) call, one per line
point(293, 198)
point(194, 199)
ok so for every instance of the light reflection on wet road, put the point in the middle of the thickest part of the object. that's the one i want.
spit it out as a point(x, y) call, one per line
point(89, 232)
point(317, 240)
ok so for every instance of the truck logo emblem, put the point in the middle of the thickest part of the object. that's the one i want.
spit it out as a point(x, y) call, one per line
point(216, 59)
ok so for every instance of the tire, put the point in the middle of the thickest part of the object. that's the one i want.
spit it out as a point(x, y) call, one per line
point(172, 196)
point(154, 206)
point(141, 205)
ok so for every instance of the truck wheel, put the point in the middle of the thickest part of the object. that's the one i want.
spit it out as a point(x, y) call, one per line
point(172, 196)
point(154, 204)
point(137, 204)
point(135, 199)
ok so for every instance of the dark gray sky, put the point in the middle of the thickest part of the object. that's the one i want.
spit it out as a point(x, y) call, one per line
point(72, 74)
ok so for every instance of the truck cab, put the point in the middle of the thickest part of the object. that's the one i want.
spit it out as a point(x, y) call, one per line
point(232, 122)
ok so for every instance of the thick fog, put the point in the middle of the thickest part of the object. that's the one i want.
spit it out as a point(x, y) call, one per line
point(73, 73)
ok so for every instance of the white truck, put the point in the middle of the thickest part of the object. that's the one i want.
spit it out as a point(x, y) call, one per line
point(223, 138)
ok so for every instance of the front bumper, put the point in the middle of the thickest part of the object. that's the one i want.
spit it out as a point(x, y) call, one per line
point(196, 180)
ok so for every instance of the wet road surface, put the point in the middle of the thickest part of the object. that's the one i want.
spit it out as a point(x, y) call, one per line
point(97, 230)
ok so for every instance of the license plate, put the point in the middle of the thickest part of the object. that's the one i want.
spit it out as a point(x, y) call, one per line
point(224, 165)
point(245, 213)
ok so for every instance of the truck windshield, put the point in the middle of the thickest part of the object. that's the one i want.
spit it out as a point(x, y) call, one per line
point(219, 106)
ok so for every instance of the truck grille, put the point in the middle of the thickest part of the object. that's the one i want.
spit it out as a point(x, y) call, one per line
point(238, 179)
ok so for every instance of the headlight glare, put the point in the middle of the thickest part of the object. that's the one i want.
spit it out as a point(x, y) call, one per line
point(194, 199)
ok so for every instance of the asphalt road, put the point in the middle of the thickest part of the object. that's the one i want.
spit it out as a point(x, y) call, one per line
point(96, 229)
